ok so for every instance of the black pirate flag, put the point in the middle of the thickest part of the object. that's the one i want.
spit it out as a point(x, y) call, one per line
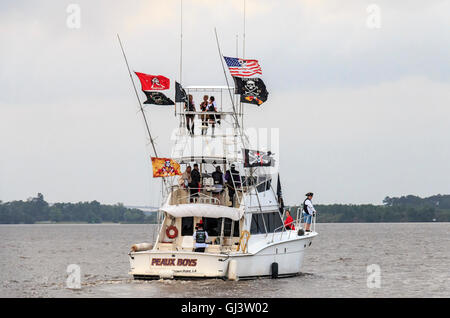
point(256, 158)
point(180, 94)
point(280, 195)
point(252, 90)
point(158, 98)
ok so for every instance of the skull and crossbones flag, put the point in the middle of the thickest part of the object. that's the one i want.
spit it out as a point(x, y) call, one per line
point(153, 82)
point(252, 90)
point(158, 98)
point(256, 158)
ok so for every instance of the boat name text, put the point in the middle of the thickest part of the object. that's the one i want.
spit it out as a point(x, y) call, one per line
point(174, 262)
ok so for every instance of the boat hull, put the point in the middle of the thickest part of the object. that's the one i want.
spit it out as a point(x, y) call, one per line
point(181, 264)
point(177, 264)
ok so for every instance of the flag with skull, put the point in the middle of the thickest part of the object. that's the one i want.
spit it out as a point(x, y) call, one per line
point(252, 90)
point(165, 167)
point(153, 82)
point(158, 98)
point(256, 158)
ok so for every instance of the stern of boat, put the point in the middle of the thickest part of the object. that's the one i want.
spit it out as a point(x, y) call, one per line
point(175, 264)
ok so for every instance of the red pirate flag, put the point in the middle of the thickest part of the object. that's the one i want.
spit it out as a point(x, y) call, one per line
point(153, 82)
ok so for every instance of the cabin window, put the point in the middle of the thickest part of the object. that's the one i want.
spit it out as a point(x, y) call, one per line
point(272, 221)
point(212, 226)
point(187, 226)
point(227, 228)
point(257, 226)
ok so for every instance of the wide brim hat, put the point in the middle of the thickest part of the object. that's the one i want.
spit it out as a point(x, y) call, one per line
point(309, 194)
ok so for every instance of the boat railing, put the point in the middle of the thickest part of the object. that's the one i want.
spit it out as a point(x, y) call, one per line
point(281, 229)
point(198, 197)
point(203, 195)
point(206, 113)
point(297, 224)
point(299, 219)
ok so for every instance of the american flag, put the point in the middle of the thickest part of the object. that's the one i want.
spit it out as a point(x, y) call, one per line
point(242, 68)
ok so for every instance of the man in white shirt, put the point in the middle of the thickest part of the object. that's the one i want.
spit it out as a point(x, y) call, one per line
point(308, 211)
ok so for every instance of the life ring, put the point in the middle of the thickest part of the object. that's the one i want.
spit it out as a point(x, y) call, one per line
point(171, 232)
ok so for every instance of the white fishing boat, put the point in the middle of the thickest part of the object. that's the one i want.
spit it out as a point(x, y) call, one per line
point(243, 216)
point(247, 237)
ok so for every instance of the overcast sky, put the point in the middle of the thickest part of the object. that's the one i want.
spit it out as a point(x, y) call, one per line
point(363, 112)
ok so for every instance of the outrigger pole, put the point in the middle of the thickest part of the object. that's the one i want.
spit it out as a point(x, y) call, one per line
point(181, 41)
point(137, 96)
point(139, 102)
point(242, 134)
point(229, 91)
point(181, 53)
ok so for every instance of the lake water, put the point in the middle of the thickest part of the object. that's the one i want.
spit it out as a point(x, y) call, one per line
point(414, 261)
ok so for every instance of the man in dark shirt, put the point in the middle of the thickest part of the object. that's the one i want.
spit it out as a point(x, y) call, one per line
point(233, 179)
point(218, 183)
point(195, 182)
point(200, 236)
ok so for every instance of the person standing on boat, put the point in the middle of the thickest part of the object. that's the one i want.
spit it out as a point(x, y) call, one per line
point(218, 182)
point(233, 179)
point(308, 211)
point(200, 236)
point(190, 107)
point(195, 182)
point(185, 178)
point(212, 118)
point(204, 118)
point(289, 222)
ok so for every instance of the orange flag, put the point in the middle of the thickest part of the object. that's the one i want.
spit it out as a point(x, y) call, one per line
point(165, 167)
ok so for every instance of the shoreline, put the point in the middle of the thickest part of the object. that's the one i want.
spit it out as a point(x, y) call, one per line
point(112, 223)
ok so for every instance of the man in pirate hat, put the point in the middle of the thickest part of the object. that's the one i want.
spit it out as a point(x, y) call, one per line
point(308, 211)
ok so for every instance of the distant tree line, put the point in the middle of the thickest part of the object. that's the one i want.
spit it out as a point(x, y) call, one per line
point(402, 209)
point(38, 210)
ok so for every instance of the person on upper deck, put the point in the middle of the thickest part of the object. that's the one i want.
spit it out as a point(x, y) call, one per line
point(308, 211)
point(200, 236)
point(190, 107)
point(185, 178)
point(204, 118)
point(233, 179)
point(289, 222)
point(218, 182)
point(195, 182)
point(212, 118)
